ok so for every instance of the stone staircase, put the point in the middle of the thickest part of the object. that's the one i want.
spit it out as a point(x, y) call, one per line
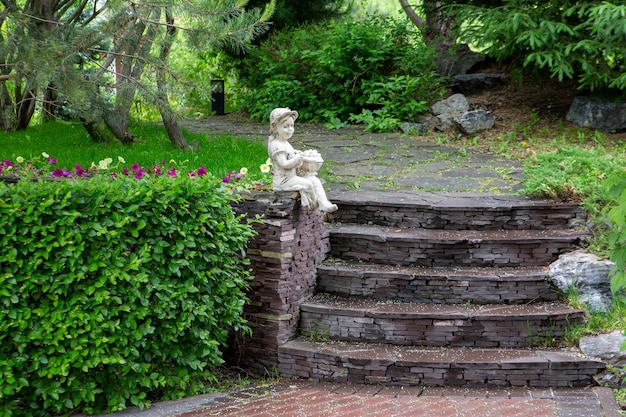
point(441, 290)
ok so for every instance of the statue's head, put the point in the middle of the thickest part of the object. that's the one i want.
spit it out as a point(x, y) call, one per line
point(279, 114)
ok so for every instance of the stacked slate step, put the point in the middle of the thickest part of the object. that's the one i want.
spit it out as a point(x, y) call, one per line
point(441, 289)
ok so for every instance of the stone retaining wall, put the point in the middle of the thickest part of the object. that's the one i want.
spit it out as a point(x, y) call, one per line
point(437, 286)
point(291, 242)
point(496, 218)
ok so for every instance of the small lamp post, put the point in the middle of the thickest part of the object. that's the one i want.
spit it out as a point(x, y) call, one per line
point(217, 97)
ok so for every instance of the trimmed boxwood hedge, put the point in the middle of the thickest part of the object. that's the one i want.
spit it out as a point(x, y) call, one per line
point(115, 291)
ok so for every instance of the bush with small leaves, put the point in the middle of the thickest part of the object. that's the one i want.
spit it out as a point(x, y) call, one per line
point(114, 291)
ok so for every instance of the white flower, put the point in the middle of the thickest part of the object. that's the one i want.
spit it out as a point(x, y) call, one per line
point(243, 171)
point(103, 164)
point(121, 160)
point(45, 155)
point(269, 161)
point(108, 160)
point(19, 159)
point(265, 168)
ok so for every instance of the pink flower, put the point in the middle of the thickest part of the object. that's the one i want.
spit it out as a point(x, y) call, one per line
point(172, 172)
point(52, 161)
point(202, 171)
point(59, 173)
point(228, 178)
point(135, 167)
point(80, 172)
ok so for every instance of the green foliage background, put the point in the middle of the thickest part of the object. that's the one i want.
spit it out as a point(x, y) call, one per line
point(378, 67)
point(113, 290)
point(569, 39)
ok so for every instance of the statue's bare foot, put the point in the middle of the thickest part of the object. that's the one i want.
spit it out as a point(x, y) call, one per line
point(328, 207)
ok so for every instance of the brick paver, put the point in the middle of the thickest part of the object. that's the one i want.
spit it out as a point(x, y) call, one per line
point(309, 399)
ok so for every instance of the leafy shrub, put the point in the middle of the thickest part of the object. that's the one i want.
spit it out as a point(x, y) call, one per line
point(570, 39)
point(334, 71)
point(617, 216)
point(112, 291)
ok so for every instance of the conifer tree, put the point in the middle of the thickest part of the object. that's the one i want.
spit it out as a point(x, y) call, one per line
point(95, 58)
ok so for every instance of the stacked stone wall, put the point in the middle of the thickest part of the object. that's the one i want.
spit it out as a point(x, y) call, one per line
point(291, 242)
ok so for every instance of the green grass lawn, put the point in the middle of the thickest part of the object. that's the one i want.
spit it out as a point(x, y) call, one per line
point(70, 144)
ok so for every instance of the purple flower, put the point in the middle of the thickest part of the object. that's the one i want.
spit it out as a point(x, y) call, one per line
point(239, 176)
point(80, 172)
point(172, 172)
point(140, 173)
point(135, 167)
point(125, 171)
point(52, 161)
point(113, 175)
point(201, 171)
point(61, 173)
point(228, 178)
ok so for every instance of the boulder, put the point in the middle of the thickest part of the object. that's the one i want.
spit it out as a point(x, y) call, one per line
point(607, 348)
point(476, 83)
point(443, 122)
point(455, 60)
point(455, 105)
point(415, 129)
point(474, 121)
point(586, 275)
point(604, 115)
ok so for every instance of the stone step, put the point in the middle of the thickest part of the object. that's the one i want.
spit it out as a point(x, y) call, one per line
point(453, 211)
point(493, 326)
point(444, 248)
point(411, 365)
point(435, 285)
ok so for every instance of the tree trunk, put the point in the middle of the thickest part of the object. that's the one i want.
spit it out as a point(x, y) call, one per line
point(50, 104)
point(97, 130)
point(25, 108)
point(174, 132)
point(437, 26)
point(135, 53)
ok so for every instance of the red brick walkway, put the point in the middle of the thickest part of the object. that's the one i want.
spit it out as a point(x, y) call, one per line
point(306, 399)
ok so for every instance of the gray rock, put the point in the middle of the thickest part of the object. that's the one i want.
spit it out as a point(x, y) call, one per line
point(455, 104)
point(476, 83)
point(603, 115)
point(475, 121)
point(416, 129)
point(607, 348)
point(585, 274)
point(456, 60)
point(443, 122)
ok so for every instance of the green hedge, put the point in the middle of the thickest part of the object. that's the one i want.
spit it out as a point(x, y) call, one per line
point(115, 291)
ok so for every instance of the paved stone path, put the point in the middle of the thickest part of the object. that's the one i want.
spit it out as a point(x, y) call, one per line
point(290, 398)
point(358, 160)
point(354, 159)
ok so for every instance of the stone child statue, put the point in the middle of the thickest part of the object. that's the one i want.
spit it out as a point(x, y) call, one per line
point(295, 170)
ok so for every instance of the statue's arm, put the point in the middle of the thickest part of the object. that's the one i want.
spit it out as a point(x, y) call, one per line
point(281, 159)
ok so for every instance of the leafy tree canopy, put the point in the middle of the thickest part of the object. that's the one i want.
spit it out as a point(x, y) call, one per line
point(569, 39)
point(94, 58)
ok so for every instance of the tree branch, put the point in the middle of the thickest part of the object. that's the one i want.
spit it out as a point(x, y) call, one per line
point(410, 12)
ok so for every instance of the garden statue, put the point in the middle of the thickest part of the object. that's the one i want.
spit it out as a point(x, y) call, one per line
point(295, 170)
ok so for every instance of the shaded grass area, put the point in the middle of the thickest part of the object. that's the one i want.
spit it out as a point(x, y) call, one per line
point(70, 144)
